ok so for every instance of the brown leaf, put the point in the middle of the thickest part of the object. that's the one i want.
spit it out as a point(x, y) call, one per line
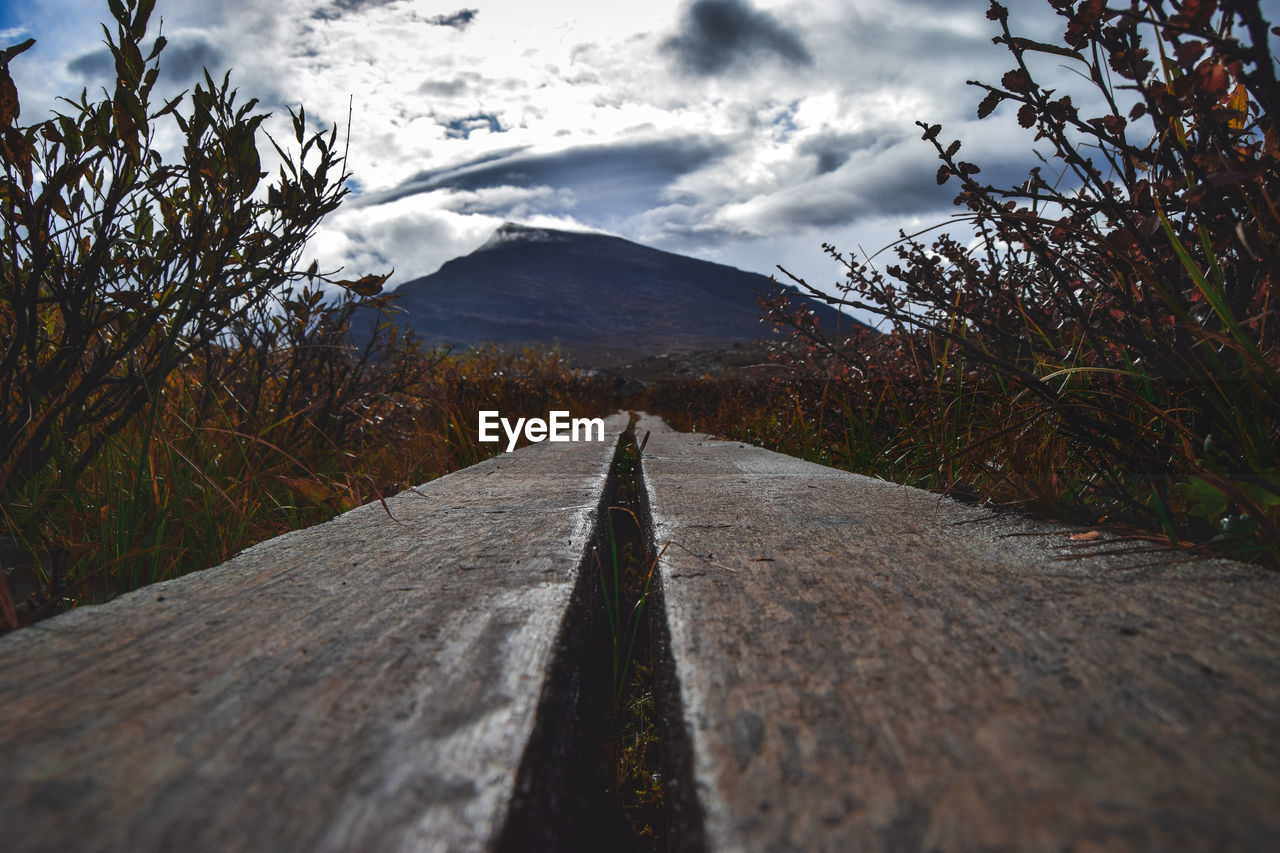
point(1087, 536)
point(59, 205)
point(367, 285)
point(1189, 52)
point(9, 107)
point(1212, 78)
point(988, 105)
point(18, 151)
point(1111, 124)
point(312, 490)
point(1195, 13)
point(1084, 23)
point(1016, 80)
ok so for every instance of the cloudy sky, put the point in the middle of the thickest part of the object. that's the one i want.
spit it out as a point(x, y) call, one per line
point(742, 131)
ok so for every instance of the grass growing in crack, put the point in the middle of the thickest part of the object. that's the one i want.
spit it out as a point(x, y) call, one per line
point(626, 578)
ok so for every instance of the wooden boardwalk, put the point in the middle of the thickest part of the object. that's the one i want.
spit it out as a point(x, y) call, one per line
point(367, 684)
point(844, 664)
point(865, 666)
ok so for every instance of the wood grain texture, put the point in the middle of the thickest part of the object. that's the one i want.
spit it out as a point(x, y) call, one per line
point(865, 666)
point(367, 684)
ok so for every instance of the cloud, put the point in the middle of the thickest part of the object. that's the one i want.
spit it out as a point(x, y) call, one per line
point(735, 129)
point(182, 61)
point(831, 150)
point(720, 34)
point(518, 203)
point(607, 180)
point(339, 8)
point(462, 128)
point(449, 88)
point(414, 235)
point(185, 57)
point(95, 65)
point(459, 20)
point(881, 176)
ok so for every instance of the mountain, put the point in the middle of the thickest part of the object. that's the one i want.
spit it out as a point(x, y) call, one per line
point(603, 299)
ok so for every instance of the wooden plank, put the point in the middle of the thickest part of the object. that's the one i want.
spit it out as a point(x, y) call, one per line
point(368, 684)
point(864, 666)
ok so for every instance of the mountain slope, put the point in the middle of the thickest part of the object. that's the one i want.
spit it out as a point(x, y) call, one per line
point(602, 298)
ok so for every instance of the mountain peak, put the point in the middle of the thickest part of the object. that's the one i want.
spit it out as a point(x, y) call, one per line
point(603, 298)
point(513, 232)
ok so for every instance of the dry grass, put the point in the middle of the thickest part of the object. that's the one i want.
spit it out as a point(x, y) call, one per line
point(212, 475)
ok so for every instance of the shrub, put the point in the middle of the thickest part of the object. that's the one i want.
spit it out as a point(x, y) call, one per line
point(1119, 303)
point(118, 266)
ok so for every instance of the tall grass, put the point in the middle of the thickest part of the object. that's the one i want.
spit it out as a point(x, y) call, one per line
point(245, 446)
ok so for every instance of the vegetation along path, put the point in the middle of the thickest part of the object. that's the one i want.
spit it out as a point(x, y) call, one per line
point(838, 663)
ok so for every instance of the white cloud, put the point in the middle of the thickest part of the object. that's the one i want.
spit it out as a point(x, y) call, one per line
point(750, 158)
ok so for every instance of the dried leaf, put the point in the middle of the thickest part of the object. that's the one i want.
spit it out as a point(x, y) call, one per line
point(1238, 105)
point(1212, 78)
point(59, 205)
point(1189, 52)
point(9, 107)
point(312, 490)
point(13, 50)
point(989, 103)
point(1196, 13)
point(1016, 80)
point(367, 285)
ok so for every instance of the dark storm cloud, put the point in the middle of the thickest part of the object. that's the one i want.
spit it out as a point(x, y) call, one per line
point(459, 20)
point(899, 181)
point(462, 128)
point(717, 34)
point(346, 7)
point(833, 150)
point(184, 59)
point(628, 173)
point(93, 65)
point(181, 61)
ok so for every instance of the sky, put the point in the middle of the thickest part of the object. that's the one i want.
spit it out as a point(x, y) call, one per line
point(747, 132)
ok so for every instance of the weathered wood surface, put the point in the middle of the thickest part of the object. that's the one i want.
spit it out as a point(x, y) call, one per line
point(368, 684)
point(865, 666)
